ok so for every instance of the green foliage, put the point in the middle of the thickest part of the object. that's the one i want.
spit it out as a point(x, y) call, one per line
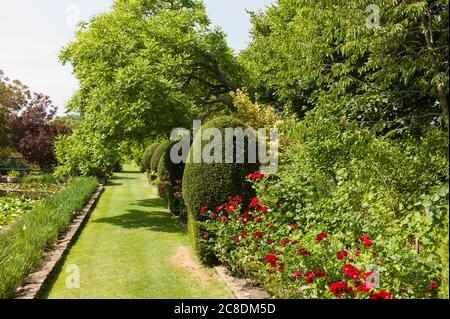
point(13, 207)
point(170, 175)
point(84, 154)
point(146, 62)
point(147, 158)
point(159, 152)
point(174, 170)
point(22, 245)
point(392, 76)
point(208, 185)
point(13, 173)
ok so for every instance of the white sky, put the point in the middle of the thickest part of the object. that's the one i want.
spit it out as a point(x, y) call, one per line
point(32, 33)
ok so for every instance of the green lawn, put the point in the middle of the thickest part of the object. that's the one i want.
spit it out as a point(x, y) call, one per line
point(131, 247)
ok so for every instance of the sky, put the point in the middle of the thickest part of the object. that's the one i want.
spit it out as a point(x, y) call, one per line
point(33, 32)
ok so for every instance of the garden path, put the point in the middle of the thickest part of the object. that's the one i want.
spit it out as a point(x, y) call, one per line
point(131, 247)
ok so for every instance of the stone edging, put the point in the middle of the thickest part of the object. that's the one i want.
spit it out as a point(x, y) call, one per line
point(38, 278)
point(241, 288)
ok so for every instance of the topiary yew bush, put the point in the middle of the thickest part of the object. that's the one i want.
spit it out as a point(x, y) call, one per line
point(159, 152)
point(166, 165)
point(148, 154)
point(209, 185)
point(171, 174)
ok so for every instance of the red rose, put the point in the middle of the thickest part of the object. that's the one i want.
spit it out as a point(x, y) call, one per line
point(213, 215)
point(363, 288)
point(433, 285)
point(234, 204)
point(224, 218)
point(254, 202)
point(283, 243)
point(358, 253)
point(351, 272)
point(303, 252)
point(341, 254)
point(366, 241)
point(319, 273)
point(381, 295)
point(256, 176)
point(264, 209)
point(367, 275)
point(206, 236)
point(270, 242)
point(271, 259)
point(281, 266)
point(310, 277)
point(203, 210)
point(298, 274)
point(257, 235)
point(337, 288)
point(321, 236)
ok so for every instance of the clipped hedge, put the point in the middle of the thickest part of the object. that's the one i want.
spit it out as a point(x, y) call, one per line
point(22, 245)
point(160, 150)
point(175, 170)
point(210, 185)
point(148, 154)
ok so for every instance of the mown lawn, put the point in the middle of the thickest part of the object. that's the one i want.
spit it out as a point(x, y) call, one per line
point(128, 249)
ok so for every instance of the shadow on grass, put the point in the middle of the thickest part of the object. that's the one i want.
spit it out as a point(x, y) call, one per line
point(149, 203)
point(159, 221)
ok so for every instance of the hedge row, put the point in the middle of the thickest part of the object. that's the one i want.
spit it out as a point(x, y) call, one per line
point(22, 245)
point(209, 185)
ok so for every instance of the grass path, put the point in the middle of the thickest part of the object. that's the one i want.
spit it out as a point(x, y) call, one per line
point(131, 248)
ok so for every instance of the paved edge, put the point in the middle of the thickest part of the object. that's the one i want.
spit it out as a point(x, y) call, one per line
point(241, 288)
point(34, 283)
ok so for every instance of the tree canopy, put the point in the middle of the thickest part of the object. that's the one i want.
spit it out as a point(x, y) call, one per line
point(334, 55)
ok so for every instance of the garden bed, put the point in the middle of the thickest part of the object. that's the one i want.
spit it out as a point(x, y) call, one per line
point(24, 242)
point(37, 280)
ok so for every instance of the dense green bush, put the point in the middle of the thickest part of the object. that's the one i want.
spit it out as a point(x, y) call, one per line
point(208, 185)
point(171, 174)
point(22, 245)
point(348, 183)
point(148, 154)
point(160, 150)
point(174, 170)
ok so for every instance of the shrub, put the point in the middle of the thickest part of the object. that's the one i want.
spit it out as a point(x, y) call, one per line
point(357, 187)
point(148, 154)
point(207, 185)
point(22, 245)
point(174, 170)
point(171, 174)
point(160, 150)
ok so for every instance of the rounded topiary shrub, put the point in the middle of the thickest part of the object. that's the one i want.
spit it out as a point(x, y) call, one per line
point(148, 154)
point(174, 172)
point(210, 185)
point(154, 163)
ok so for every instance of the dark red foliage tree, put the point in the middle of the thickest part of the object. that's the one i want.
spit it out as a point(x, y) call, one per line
point(33, 131)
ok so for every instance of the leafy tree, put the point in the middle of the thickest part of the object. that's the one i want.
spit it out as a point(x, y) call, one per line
point(148, 66)
point(13, 96)
point(149, 62)
point(34, 130)
point(323, 54)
